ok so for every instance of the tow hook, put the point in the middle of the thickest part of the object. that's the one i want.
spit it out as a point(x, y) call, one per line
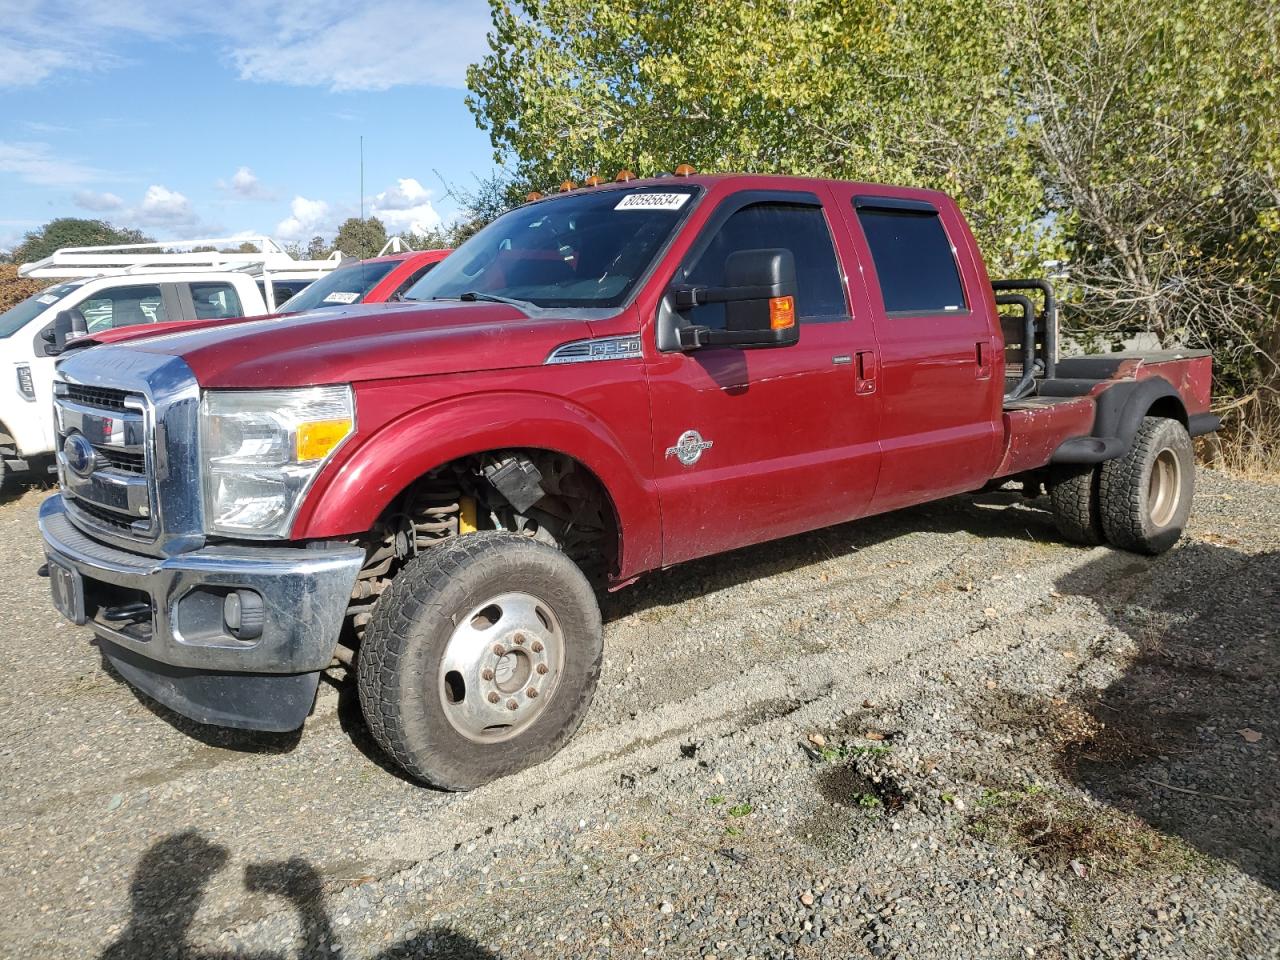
point(43, 571)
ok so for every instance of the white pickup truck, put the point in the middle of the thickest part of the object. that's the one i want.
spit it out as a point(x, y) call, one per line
point(107, 287)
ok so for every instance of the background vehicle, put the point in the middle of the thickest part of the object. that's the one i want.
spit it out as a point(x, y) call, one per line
point(376, 280)
point(105, 288)
point(604, 382)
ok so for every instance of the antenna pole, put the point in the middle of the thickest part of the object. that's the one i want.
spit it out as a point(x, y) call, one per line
point(364, 253)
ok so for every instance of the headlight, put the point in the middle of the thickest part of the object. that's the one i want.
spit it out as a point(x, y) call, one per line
point(261, 451)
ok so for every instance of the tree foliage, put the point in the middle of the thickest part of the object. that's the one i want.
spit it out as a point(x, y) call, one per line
point(1136, 143)
point(361, 238)
point(72, 232)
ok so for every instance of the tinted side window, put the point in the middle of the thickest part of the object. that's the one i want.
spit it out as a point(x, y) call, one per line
point(122, 307)
point(213, 301)
point(914, 262)
point(798, 228)
point(413, 278)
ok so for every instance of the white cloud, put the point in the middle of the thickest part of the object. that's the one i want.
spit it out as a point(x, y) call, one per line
point(162, 207)
point(36, 163)
point(406, 207)
point(306, 219)
point(245, 184)
point(98, 202)
point(327, 43)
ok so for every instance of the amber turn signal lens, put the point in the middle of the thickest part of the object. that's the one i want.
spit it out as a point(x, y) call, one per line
point(566, 186)
point(624, 176)
point(782, 313)
point(684, 170)
point(532, 196)
point(593, 181)
point(316, 439)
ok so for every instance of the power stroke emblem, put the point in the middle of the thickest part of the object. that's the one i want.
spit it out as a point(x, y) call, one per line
point(688, 449)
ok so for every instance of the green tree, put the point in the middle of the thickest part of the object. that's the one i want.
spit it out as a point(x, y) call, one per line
point(318, 249)
point(361, 238)
point(72, 232)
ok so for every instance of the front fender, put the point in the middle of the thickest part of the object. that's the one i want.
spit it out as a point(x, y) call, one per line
point(353, 492)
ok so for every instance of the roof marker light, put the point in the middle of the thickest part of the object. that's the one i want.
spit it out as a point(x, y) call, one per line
point(532, 196)
point(592, 181)
point(685, 170)
point(567, 186)
point(624, 176)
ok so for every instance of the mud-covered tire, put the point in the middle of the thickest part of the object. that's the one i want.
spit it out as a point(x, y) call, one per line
point(405, 693)
point(1073, 492)
point(1146, 494)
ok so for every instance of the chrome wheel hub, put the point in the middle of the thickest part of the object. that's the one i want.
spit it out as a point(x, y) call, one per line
point(501, 666)
point(1164, 489)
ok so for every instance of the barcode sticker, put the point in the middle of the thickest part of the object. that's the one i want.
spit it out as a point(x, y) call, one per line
point(341, 296)
point(47, 298)
point(652, 201)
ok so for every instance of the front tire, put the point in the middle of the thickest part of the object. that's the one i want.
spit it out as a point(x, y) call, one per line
point(1146, 494)
point(481, 659)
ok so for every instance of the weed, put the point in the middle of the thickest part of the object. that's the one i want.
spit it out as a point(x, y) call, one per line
point(740, 810)
point(715, 801)
point(868, 801)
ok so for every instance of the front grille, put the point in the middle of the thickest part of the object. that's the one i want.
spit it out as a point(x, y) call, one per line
point(103, 516)
point(123, 460)
point(103, 397)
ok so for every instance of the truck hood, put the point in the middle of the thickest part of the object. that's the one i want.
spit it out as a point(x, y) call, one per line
point(374, 342)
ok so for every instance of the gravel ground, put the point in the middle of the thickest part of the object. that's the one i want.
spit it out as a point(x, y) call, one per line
point(941, 733)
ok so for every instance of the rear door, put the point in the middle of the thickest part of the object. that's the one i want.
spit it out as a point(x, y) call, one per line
point(940, 378)
point(750, 445)
point(209, 300)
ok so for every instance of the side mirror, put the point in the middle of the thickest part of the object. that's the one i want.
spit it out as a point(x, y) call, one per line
point(57, 335)
point(759, 298)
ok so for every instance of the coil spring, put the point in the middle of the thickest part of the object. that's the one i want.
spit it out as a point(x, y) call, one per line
point(434, 516)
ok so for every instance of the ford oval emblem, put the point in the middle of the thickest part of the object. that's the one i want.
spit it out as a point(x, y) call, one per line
point(79, 453)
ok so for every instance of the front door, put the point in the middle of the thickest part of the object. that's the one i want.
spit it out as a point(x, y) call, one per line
point(754, 444)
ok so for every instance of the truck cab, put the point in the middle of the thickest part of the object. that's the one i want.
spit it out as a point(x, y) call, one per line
point(598, 384)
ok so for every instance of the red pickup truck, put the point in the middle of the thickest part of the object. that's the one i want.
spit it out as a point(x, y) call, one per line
point(601, 383)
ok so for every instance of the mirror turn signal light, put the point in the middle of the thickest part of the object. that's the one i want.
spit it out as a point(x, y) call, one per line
point(685, 170)
point(782, 313)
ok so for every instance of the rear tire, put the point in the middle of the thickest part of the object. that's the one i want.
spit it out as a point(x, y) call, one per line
point(1073, 491)
point(481, 659)
point(1146, 494)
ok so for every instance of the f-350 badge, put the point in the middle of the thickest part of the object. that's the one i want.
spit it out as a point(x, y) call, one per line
point(688, 449)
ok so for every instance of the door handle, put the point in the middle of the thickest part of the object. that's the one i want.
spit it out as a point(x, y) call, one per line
point(865, 372)
point(983, 351)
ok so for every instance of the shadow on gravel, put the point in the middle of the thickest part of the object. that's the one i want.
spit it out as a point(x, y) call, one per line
point(969, 513)
point(168, 887)
point(1188, 738)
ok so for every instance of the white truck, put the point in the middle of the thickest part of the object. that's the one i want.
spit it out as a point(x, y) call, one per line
point(116, 286)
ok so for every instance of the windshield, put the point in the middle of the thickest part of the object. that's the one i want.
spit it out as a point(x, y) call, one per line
point(17, 317)
point(343, 286)
point(582, 250)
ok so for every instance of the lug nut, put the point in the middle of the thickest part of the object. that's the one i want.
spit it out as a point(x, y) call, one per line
point(519, 639)
point(542, 668)
point(531, 693)
point(537, 646)
point(487, 674)
point(499, 650)
point(511, 704)
point(493, 698)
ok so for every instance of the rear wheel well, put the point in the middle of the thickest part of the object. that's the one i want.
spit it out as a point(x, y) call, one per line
point(541, 494)
point(1170, 408)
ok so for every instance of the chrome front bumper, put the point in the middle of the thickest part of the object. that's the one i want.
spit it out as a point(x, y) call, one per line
point(180, 651)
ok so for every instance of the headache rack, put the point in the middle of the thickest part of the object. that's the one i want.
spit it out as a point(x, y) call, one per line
point(1030, 335)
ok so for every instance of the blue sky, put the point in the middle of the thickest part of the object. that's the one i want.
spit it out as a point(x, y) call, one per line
point(236, 117)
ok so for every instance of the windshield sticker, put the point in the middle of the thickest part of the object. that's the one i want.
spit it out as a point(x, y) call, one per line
point(652, 201)
point(341, 296)
point(48, 298)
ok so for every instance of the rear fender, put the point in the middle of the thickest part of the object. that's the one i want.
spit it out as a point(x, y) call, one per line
point(352, 493)
point(1120, 409)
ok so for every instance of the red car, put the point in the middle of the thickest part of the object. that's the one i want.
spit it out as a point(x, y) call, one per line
point(376, 280)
